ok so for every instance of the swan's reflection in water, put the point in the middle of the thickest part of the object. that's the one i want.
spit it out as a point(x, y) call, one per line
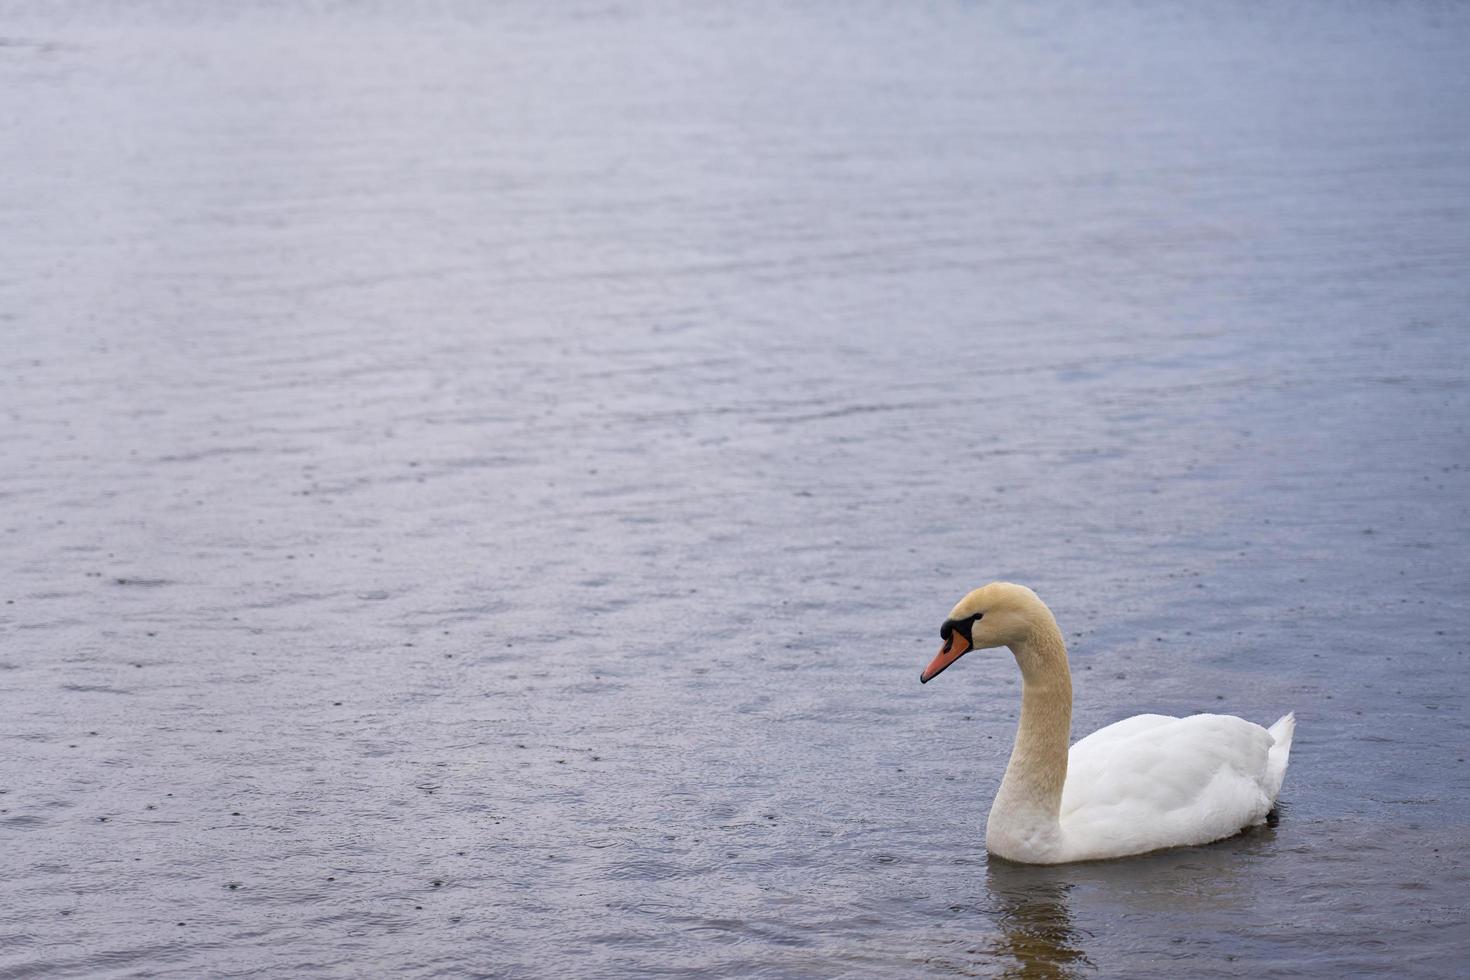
point(1037, 934)
point(1036, 906)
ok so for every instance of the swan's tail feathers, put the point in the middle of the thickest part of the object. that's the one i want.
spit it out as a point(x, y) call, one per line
point(1276, 756)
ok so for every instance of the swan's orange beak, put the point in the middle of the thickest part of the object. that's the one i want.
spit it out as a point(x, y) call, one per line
point(952, 650)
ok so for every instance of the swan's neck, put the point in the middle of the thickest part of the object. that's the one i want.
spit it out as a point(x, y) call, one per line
point(1030, 795)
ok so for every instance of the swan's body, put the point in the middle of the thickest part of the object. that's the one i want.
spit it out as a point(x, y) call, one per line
point(1141, 784)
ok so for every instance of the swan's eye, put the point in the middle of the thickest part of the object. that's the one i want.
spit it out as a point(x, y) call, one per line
point(962, 626)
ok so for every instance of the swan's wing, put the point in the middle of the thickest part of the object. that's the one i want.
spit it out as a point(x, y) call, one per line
point(1122, 729)
point(1153, 781)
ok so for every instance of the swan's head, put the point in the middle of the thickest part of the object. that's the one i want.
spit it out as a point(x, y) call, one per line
point(996, 615)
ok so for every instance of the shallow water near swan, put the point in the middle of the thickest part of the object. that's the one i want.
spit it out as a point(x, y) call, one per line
point(478, 486)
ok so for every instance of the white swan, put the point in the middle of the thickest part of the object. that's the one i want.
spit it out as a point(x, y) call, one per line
point(1144, 783)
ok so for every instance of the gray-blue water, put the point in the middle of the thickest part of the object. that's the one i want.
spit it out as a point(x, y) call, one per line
point(478, 483)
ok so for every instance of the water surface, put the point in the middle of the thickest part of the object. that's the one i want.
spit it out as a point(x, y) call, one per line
point(477, 486)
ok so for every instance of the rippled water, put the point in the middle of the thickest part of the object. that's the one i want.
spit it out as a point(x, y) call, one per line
point(477, 486)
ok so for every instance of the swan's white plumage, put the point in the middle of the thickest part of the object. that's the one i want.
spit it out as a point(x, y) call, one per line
point(1153, 781)
point(1138, 785)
